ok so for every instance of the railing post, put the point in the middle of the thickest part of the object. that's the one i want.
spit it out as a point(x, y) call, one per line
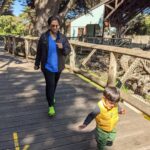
point(9, 44)
point(112, 70)
point(72, 58)
point(26, 48)
point(14, 45)
point(5, 43)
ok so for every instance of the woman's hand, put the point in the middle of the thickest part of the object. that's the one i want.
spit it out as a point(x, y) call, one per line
point(59, 45)
point(36, 67)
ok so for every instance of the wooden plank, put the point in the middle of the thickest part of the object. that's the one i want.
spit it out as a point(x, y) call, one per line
point(120, 50)
point(116, 3)
point(136, 103)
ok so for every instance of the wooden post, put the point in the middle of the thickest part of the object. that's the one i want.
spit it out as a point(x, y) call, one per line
point(5, 43)
point(72, 58)
point(9, 44)
point(14, 45)
point(26, 48)
point(112, 70)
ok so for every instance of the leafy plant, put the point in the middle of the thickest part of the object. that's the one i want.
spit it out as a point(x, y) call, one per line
point(11, 25)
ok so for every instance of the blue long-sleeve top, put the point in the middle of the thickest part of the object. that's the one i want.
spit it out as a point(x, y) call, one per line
point(52, 59)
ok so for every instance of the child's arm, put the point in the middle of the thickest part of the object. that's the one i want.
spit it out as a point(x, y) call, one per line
point(90, 117)
point(121, 110)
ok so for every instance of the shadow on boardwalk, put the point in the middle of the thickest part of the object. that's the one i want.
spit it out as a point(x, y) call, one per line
point(23, 110)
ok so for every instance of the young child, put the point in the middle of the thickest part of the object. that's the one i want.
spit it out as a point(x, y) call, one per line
point(106, 117)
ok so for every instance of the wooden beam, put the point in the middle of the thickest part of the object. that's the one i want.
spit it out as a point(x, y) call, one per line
point(120, 50)
point(127, 8)
point(112, 8)
point(88, 57)
point(130, 70)
point(116, 3)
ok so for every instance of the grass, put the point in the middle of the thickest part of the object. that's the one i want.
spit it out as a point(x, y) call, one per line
point(124, 89)
point(147, 97)
point(146, 117)
point(91, 82)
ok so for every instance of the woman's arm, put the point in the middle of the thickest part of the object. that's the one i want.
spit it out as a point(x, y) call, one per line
point(66, 46)
point(38, 54)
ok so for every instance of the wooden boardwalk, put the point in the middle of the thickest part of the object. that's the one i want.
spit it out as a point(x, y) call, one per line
point(24, 124)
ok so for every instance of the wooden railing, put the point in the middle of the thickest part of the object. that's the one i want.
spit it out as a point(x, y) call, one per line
point(26, 46)
point(121, 42)
point(22, 46)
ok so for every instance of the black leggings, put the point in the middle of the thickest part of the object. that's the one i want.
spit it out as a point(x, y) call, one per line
point(51, 79)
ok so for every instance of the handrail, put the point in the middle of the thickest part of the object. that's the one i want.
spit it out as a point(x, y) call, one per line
point(120, 50)
point(113, 50)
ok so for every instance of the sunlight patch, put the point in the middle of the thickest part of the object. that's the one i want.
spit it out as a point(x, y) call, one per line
point(75, 126)
point(28, 139)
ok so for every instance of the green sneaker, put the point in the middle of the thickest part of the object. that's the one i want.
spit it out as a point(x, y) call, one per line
point(51, 111)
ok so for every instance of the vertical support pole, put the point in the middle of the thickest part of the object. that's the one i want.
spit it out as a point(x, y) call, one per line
point(9, 44)
point(72, 58)
point(14, 45)
point(26, 49)
point(5, 43)
point(112, 70)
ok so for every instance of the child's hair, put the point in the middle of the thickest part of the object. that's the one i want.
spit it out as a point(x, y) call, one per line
point(50, 19)
point(112, 94)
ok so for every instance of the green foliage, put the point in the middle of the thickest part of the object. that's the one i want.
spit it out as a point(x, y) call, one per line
point(147, 24)
point(141, 26)
point(147, 97)
point(124, 88)
point(11, 25)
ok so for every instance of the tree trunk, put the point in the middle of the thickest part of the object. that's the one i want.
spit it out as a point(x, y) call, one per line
point(44, 9)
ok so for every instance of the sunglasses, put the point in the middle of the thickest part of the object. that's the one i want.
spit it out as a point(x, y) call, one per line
point(53, 25)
